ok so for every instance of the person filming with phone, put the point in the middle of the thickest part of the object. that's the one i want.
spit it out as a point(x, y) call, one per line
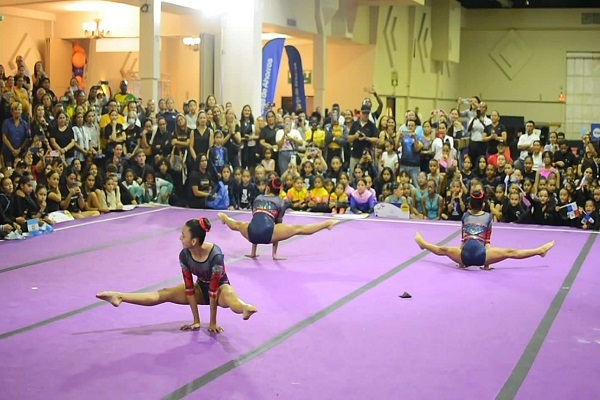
point(288, 140)
point(363, 136)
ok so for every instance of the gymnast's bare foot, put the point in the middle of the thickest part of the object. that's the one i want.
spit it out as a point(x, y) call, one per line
point(278, 258)
point(223, 217)
point(544, 249)
point(254, 255)
point(420, 241)
point(110, 297)
point(333, 223)
point(248, 311)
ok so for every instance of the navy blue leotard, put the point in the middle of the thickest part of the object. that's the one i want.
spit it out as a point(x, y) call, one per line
point(267, 211)
point(476, 234)
point(204, 271)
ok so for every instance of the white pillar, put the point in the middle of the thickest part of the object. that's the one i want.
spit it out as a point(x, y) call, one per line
point(241, 56)
point(319, 71)
point(150, 51)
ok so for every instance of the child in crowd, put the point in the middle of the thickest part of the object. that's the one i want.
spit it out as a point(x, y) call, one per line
point(514, 211)
point(268, 162)
point(232, 187)
point(361, 199)
point(589, 220)
point(130, 182)
point(247, 192)
point(338, 201)
point(335, 170)
point(217, 156)
point(308, 174)
point(455, 203)
point(318, 198)
point(297, 195)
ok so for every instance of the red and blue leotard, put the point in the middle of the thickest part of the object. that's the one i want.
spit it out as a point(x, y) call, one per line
point(267, 211)
point(211, 272)
point(476, 234)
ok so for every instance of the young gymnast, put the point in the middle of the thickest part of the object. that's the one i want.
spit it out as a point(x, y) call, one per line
point(476, 233)
point(205, 261)
point(266, 226)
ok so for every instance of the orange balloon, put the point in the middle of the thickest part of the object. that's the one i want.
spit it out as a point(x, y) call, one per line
point(80, 82)
point(78, 60)
point(78, 49)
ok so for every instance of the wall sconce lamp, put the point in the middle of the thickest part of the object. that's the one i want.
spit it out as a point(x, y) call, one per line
point(192, 42)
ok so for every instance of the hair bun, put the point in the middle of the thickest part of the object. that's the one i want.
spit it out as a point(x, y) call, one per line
point(477, 194)
point(276, 183)
point(204, 224)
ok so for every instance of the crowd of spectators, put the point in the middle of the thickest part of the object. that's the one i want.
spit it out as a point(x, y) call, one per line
point(92, 153)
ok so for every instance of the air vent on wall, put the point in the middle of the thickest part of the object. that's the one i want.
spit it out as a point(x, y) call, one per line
point(291, 22)
point(590, 19)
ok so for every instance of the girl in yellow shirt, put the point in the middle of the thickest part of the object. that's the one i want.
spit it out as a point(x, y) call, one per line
point(298, 195)
point(318, 200)
point(338, 201)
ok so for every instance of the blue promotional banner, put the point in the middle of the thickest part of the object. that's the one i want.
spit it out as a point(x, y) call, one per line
point(297, 77)
point(272, 52)
point(595, 132)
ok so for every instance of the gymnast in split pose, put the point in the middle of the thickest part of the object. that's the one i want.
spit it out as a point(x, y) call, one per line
point(266, 226)
point(475, 249)
point(203, 260)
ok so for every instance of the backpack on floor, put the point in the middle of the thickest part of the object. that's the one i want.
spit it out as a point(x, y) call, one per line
point(219, 198)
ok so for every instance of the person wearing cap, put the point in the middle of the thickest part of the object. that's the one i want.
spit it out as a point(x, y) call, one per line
point(123, 97)
point(502, 150)
point(373, 116)
point(266, 226)
point(363, 135)
point(475, 249)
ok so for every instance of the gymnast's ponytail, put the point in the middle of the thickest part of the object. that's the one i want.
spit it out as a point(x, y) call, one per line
point(199, 228)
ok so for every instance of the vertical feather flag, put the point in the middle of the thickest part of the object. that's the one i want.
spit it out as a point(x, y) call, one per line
point(272, 52)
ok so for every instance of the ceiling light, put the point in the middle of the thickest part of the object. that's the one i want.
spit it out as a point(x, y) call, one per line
point(95, 29)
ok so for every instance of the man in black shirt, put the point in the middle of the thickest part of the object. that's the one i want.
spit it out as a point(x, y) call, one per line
point(564, 158)
point(363, 135)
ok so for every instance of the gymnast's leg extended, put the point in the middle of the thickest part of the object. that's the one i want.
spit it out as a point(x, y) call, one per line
point(174, 294)
point(452, 252)
point(493, 254)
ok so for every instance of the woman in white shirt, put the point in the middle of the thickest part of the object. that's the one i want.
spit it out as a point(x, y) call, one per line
point(287, 140)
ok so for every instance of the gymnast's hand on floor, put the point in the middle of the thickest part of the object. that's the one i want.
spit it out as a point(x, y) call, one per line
point(194, 326)
point(215, 328)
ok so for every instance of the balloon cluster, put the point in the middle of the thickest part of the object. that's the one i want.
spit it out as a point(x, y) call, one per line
point(78, 61)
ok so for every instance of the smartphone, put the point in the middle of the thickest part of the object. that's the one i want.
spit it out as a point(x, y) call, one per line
point(41, 138)
point(34, 150)
point(466, 101)
point(55, 153)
